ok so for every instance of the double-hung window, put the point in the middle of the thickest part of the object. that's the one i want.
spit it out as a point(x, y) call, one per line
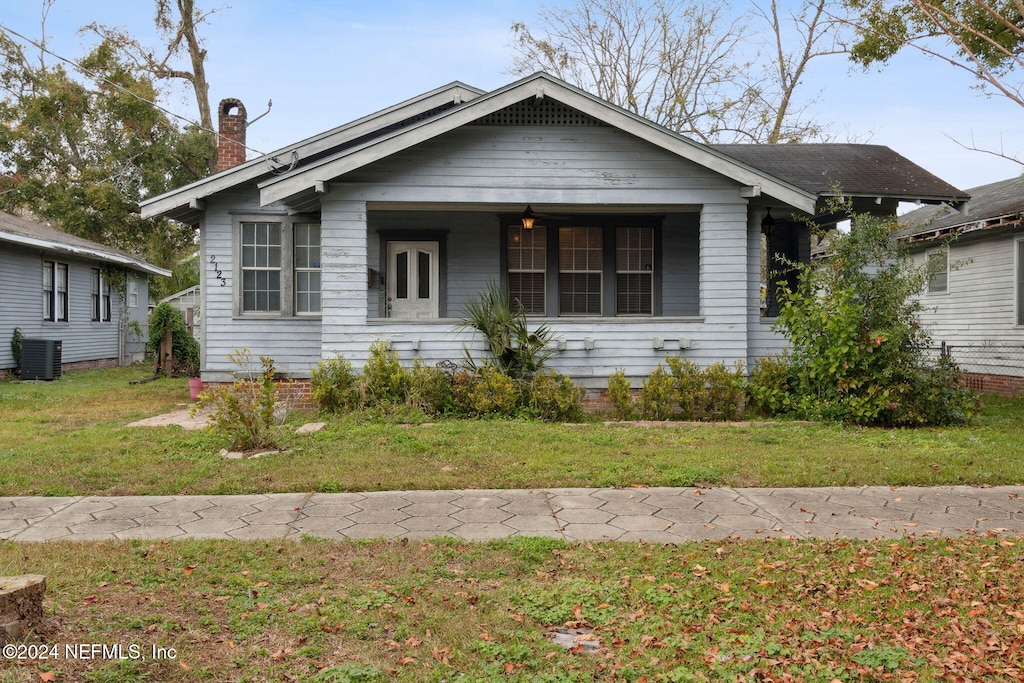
point(580, 270)
point(570, 268)
point(55, 291)
point(133, 292)
point(938, 271)
point(100, 297)
point(279, 267)
point(527, 268)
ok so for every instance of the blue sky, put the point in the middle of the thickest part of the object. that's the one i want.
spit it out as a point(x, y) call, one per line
point(326, 62)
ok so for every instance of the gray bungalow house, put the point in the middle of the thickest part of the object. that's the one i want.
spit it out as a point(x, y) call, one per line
point(642, 242)
point(974, 299)
point(55, 288)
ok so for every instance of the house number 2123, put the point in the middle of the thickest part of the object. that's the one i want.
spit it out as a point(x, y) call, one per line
point(216, 269)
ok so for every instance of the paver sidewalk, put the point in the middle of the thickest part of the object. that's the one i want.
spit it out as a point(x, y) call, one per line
point(640, 514)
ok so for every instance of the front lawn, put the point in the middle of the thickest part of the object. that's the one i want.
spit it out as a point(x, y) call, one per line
point(70, 438)
point(321, 612)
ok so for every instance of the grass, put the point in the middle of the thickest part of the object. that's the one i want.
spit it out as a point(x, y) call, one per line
point(318, 611)
point(70, 438)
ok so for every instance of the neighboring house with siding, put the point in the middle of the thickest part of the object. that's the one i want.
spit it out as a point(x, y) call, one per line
point(974, 299)
point(55, 286)
point(644, 243)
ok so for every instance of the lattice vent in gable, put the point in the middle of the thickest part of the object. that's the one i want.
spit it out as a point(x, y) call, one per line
point(546, 112)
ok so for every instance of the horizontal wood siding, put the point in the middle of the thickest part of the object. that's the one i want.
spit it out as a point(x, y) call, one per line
point(21, 280)
point(723, 277)
point(680, 265)
point(472, 256)
point(978, 306)
point(293, 343)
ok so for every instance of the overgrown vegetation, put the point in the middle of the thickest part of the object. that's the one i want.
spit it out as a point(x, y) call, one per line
point(86, 413)
point(858, 353)
point(443, 609)
point(517, 352)
point(184, 360)
point(246, 411)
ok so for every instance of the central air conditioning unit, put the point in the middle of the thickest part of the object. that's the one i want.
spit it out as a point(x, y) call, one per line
point(40, 359)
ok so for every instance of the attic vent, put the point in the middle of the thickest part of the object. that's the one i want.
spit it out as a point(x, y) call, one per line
point(546, 112)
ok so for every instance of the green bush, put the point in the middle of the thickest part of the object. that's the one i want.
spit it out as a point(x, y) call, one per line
point(184, 348)
point(384, 381)
point(937, 397)
point(246, 410)
point(485, 391)
point(769, 386)
point(517, 352)
point(620, 395)
point(690, 389)
point(555, 398)
point(334, 386)
point(723, 391)
point(430, 389)
point(658, 395)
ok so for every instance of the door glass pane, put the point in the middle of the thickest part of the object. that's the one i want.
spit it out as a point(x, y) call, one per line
point(423, 274)
point(402, 275)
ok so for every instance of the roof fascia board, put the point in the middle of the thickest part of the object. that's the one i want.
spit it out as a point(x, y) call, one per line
point(256, 168)
point(97, 254)
point(538, 85)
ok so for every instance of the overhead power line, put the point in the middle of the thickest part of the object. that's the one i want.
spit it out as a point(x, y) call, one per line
point(98, 77)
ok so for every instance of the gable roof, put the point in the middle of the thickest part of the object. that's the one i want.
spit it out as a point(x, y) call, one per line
point(856, 170)
point(540, 85)
point(28, 233)
point(185, 203)
point(996, 205)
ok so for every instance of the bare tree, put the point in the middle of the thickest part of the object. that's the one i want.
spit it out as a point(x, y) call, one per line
point(686, 64)
point(182, 57)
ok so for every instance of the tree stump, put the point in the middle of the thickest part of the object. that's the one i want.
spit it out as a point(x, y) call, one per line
point(21, 605)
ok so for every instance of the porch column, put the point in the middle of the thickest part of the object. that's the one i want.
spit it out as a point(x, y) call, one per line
point(723, 279)
point(343, 275)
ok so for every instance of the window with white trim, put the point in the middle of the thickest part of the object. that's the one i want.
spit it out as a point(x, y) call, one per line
point(100, 297)
point(279, 267)
point(937, 268)
point(527, 268)
point(133, 292)
point(55, 291)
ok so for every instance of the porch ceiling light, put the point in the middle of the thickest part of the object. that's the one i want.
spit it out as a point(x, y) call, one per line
point(528, 218)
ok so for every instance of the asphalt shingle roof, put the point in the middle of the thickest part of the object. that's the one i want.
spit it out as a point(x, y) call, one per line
point(988, 202)
point(859, 170)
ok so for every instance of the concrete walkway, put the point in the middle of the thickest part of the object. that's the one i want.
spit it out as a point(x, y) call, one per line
point(662, 515)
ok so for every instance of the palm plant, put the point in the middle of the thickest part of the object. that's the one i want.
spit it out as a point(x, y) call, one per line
point(517, 351)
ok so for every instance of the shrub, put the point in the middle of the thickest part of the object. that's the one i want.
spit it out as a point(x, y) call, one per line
point(620, 395)
point(184, 360)
point(247, 409)
point(555, 398)
point(485, 391)
point(690, 389)
point(384, 381)
point(658, 395)
point(723, 391)
point(334, 386)
point(937, 397)
point(516, 351)
point(430, 389)
point(769, 386)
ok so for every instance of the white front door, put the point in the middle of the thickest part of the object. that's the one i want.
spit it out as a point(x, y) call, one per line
point(412, 280)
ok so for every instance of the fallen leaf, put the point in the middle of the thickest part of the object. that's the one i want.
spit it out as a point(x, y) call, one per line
point(486, 636)
point(187, 571)
point(407, 660)
point(48, 676)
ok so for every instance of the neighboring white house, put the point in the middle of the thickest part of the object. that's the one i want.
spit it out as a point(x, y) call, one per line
point(189, 302)
point(57, 287)
point(974, 300)
point(644, 243)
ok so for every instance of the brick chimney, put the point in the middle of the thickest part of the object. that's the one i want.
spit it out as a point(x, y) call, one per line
point(231, 141)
